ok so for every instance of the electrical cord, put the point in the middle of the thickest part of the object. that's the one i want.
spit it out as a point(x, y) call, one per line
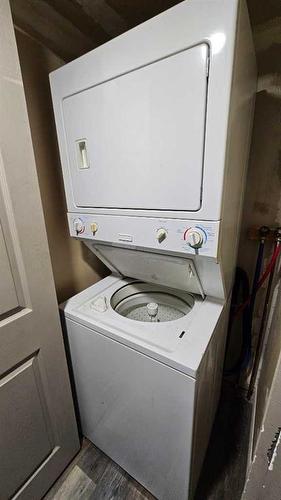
point(241, 287)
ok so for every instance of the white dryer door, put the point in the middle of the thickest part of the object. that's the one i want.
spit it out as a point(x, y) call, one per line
point(137, 140)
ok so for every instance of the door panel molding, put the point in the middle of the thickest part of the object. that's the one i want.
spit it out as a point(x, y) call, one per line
point(26, 427)
point(8, 292)
point(37, 416)
point(8, 224)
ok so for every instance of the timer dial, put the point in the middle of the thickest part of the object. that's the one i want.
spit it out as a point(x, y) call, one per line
point(194, 238)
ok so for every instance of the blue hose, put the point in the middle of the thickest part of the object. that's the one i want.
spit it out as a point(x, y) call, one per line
point(248, 313)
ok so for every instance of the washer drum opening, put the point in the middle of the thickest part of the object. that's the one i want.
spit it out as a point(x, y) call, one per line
point(147, 302)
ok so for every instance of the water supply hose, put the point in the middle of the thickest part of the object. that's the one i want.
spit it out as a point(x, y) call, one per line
point(267, 271)
point(262, 329)
point(248, 305)
point(263, 233)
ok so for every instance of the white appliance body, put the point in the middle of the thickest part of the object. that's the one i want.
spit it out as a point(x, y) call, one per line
point(154, 130)
point(147, 396)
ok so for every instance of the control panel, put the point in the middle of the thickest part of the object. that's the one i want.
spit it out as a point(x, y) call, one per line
point(168, 235)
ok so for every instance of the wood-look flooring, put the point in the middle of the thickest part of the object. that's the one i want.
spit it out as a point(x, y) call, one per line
point(92, 475)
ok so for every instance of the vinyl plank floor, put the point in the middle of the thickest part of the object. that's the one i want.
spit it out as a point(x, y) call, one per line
point(93, 476)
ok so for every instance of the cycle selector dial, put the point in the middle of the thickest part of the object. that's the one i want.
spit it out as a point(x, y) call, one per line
point(194, 237)
point(78, 226)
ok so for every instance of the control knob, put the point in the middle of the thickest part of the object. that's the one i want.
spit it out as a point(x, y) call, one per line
point(94, 227)
point(194, 238)
point(161, 235)
point(78, 225)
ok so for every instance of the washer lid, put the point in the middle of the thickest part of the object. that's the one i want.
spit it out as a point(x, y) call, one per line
point(174, 272)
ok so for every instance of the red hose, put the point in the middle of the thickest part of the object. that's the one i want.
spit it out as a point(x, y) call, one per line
point(261, 281)
point(270, 265)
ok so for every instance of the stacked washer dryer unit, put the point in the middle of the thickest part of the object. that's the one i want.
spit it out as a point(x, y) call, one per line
point(154, 130)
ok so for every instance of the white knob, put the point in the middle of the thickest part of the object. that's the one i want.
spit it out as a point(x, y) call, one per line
point(161, 235)
point(94, 227)
point(78, 225)
point(194, 238)
point(152, 309)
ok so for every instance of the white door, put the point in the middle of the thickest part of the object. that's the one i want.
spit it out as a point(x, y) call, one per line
point(38, 433)
point(137, 141)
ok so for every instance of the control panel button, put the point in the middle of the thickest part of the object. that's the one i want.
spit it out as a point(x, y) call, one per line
point(94, 227)
point(194, 238)
point(161, 235)
point(78, 226)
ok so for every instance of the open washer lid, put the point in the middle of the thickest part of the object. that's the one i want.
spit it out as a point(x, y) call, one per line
point(174, 272)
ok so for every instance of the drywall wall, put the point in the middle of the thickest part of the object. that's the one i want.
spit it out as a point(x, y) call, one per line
point(263, 191)
point(74, 266)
